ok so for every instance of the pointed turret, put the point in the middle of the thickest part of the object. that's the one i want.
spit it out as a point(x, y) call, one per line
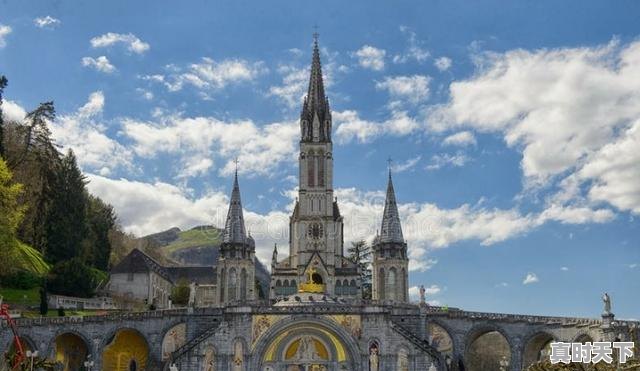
point(391, 231)
point(315, 119)
point(234, 231)
point(274, 257)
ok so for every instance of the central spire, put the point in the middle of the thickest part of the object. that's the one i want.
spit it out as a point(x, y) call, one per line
point(234, 231)
point(315, 119)
point(391, 231)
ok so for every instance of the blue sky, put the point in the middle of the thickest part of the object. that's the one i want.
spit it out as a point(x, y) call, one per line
point(513, 126)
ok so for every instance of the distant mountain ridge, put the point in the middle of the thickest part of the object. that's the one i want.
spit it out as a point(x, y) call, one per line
point(196, 246)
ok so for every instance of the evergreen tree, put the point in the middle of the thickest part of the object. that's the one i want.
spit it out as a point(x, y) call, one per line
point(101, 220)
point(72, 278)
point(3, 84)
point(66, 226)
point(360, 254)
point(11, 214)
point(44, 303)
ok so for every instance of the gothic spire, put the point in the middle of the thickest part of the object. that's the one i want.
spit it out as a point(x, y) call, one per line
point(234, 231)
point(316, 102)
point(391, 230)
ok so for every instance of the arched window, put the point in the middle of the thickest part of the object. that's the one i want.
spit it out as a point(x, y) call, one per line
point(233, 284)
point(320, 158)
point(222, 285)
point(311, 162)
point(293, 288)
point(381, 285)
point(243, 285)
point(339, 287)
point(392, 278)
point(352, 287)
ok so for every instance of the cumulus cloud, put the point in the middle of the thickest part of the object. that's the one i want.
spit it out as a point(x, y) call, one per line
point(100, 64)
point(294, 85)
point(46, 22)
point(530, 278)
point(350, 126)
point(84, 132)
point(564, 269)
point(371, 57)
point(462, 139)
point(130, 41)
point(442, 63)
point(572, 112)
point(4, 31)
point(12, 111)
point(414, 88)
point(260, 149)
point(209, 74)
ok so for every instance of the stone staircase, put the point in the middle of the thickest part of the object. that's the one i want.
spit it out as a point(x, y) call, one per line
point(418, 342)
point(188, 346)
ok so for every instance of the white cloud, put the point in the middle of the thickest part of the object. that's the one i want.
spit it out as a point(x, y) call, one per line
point(11, 111)
point(83, 132)
point(462, 139)
point(572, 112)
point(530, 278)
point(210, 74)
point(351, 127)
point(564, 269)
point(100, 64)
point(145, 94)
point(439, 161)
point(407, 165)
point(196, 140)
point(414, 291)
point(371, 57)
point(442, 63)
point(414, 51)
point(414, 88)
point(634, 265)
point(294, 85)
point(46, 22)
point(132, 42)
point(145, 208)
point(502, 284)
point(4, 31)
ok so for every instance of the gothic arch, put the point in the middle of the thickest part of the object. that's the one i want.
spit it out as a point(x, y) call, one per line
point(233, 285)
point(173, 337)
point(243, 284)
point(381, 283)
point(303, 324)
point(535, 344)
point(445, 331)
point(51, 347)
point(582, 337)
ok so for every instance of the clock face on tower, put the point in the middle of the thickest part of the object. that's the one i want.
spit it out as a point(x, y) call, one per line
point(315, 231)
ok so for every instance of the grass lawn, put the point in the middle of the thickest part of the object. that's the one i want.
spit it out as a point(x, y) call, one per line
point(194, 237)
point(20, 298)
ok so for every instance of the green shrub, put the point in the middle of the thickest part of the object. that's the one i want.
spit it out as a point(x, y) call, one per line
point(23, 280)
point(72, 278)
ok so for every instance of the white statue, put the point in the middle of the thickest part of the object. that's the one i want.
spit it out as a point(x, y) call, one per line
point(607, 303)
point(374, 362)
point(192, 294)
point(306, 350)
point(422, 295)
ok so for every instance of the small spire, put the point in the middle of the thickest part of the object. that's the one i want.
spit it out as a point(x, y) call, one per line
point(391, 230)
point(274, 257)
point(316, 104)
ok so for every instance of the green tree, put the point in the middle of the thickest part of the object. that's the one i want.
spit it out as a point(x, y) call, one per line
point(66, 226)
point(3, 84)
point(180, 293)
point(73, 278)
point(44, 303)
point(360, 254)
point(11, 214)
point(101, 220)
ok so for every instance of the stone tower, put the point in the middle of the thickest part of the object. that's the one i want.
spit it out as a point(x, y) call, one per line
point(316, 253)
point(236, 261)
point(390, 261)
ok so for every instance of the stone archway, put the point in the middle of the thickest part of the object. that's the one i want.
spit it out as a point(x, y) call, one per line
point(536, 348)
point(308, 343)
point(486, 348)
point(126, 350)
point(71, 351)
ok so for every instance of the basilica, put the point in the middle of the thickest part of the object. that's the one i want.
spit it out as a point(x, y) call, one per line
point(312, 316)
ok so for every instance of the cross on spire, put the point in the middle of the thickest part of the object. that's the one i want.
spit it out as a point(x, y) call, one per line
point(389, 162)
point(315, 33)
point(235, 161)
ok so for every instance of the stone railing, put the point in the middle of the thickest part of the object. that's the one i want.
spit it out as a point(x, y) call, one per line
point(521, 318)
point(120, 316)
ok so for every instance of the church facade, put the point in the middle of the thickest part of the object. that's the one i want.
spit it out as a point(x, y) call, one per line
point(315, 318)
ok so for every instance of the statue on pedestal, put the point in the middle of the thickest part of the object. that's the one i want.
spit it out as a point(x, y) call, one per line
point(607, 304)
